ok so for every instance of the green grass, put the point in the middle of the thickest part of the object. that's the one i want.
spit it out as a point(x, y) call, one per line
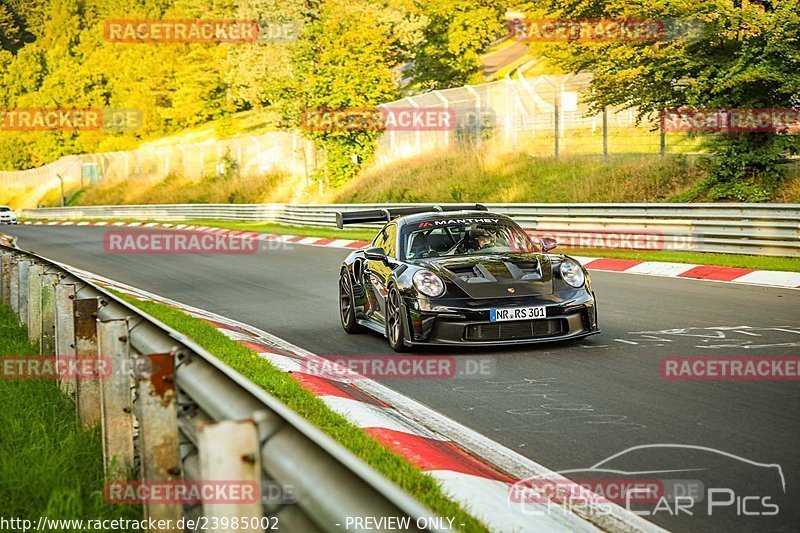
point(49, 465)
point(285, 229)
point(284, 388)
point(485, 175)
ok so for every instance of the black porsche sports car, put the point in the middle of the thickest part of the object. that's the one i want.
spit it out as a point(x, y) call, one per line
point(461, 275)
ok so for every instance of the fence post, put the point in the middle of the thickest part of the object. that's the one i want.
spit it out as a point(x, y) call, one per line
point(556, 115)
point(22, 278)
point(65, 330)
point(115, 397)
point(478, 117)
point(446, 106)
point(157, 413)
point(507, 85)
point(417, 133)
point(230, 450)
point(35, 303)
point(663, 141)
point(605, 133)
point(48, 305)
point(88, 389)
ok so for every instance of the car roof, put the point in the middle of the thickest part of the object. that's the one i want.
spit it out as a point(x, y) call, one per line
point(444, 215)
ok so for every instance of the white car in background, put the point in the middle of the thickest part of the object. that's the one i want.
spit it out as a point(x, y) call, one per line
point(7, 215)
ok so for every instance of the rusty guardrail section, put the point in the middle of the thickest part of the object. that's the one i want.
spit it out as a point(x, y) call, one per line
point(171, 412)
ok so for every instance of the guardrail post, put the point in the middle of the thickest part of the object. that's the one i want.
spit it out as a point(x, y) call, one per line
point(35, 303)
point(48, 305)
point(5, 277)
point(157, 412)
point(230, 450)
point(88, 389)
point(115, 397)
point(4, 272)
point(13, 284)
point(22, 290)
point(65, 330)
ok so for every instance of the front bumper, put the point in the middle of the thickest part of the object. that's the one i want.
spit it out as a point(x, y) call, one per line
point(467, 323)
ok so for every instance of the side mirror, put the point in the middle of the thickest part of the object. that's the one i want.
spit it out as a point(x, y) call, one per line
point(548, 243)
point(376, 253)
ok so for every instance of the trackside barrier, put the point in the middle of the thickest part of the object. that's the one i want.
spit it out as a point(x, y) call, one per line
point(757, 229)
point(170, 411)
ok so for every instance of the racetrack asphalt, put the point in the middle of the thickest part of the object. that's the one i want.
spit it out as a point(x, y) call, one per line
point(496, 61)
point(566, 406)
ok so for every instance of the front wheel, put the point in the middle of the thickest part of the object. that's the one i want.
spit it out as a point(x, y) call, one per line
point(395, 323)
point(347, 304)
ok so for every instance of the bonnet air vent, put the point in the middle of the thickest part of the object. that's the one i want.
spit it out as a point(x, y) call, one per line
point(473, 274)
point(525, 271)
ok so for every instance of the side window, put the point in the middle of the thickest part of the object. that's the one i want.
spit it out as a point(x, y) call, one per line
point(380, 239)
point(390, 245)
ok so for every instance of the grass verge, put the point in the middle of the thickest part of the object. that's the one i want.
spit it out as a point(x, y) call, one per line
point(284, 388)
point(49, 466)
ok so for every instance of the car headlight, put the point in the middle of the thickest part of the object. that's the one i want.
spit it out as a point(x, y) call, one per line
point(428, 283)
point(572, 273)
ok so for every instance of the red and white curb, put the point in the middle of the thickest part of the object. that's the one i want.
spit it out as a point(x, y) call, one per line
point(471, 469)
point(769, 278)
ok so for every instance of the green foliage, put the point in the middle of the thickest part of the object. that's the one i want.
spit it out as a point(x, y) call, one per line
point(458, 31)
point(345, 60)
point(54, 55)
point(746, 166)
point(722, 54)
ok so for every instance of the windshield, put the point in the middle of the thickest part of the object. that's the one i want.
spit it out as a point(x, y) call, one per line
point(465, 236)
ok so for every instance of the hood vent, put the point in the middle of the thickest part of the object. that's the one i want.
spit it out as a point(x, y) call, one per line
point(473, 274)
point(528, 271)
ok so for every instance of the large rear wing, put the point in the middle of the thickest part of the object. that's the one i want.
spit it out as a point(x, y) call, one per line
point(387, 214)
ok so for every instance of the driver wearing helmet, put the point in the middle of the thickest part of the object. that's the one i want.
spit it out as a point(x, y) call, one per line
point(477, 239)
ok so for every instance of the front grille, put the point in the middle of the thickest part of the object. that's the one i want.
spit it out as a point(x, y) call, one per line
point(516, 330)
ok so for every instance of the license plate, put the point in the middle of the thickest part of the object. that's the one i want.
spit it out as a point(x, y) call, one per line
point(517, 313)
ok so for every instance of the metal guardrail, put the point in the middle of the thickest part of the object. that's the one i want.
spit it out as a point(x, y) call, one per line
point(759, 229)
point(172, 412)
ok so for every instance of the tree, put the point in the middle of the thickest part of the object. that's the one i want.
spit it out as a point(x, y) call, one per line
point(723, 55)
point(344, 60)
point(456, 34)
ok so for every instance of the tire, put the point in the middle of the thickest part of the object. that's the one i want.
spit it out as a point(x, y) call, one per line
point(395, 321)
point(347, 304)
